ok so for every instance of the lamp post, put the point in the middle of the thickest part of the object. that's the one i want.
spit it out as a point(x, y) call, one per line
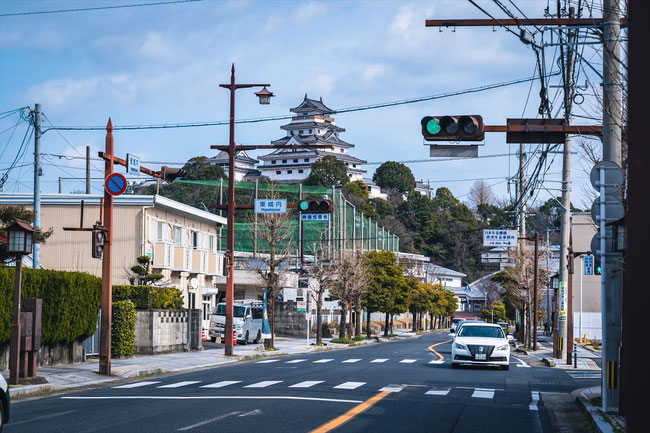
point(19, 244)
point(264, 98)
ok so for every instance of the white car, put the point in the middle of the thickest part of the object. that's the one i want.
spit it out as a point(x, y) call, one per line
point(480, 344)
point(4, 402)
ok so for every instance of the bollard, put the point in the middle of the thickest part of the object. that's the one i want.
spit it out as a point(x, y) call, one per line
point(575, 356)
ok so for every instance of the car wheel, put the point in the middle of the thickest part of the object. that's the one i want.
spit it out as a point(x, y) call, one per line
point(245, 339)
point(454, 365)
point(505, 367)
point(258, 338)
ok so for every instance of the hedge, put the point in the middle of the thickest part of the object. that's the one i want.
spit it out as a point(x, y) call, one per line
point(123, 329)
point(70, 302)
point(149, 297)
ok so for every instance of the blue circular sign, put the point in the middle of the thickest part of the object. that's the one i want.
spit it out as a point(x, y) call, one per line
point(115, 184)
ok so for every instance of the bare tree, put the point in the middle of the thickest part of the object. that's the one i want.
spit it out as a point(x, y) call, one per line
point(272, 263)
point(323, 274)
point(480, 193)
point(351, 282)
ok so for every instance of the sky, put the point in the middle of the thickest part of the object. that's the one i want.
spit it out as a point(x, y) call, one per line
point(163, 64)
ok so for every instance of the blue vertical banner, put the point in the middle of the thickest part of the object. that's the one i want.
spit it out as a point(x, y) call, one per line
point(266, 326)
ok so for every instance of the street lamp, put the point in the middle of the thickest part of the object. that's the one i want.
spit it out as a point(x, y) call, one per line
point(19, 244)
point(265, 96)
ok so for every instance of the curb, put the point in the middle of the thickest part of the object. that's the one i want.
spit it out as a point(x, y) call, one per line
point(548, 361)
point(596, 415)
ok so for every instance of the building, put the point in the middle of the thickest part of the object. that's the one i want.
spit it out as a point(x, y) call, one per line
point(244, 164)
point(374, 191)
point(182, 241)
point(311, 125)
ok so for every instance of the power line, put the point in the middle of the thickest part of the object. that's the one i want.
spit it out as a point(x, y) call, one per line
point(285, 117)
point(98, 8)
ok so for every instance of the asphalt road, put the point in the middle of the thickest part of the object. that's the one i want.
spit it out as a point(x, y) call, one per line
point(391, 387)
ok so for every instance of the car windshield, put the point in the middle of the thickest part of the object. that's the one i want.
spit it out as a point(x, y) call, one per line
point(481, 331)
point(220, 310)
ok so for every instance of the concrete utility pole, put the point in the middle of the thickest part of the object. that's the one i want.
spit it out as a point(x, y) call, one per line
point(565, 223)
point(87, 170)
point(38, 172)
point(520, 195)
point(612, 120)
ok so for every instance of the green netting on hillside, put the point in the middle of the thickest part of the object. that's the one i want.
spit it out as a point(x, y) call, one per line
point(264, 186)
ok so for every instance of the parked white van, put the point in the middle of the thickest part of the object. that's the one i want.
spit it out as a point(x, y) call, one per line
point(247, 321)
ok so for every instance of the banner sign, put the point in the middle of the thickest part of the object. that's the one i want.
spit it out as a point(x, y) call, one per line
point(500, 238)
point(562, 300)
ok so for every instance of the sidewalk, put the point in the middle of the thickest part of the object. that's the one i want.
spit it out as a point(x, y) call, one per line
point(69, 376)
point(544, 353)
point(605, 423)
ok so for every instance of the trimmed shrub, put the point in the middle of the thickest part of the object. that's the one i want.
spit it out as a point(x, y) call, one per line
point(150, 297)
point(123, 329)
point(70, 302)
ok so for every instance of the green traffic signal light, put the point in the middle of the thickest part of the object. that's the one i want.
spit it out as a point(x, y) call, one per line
point(599, 270)
point(304, 205)
point(433, 127)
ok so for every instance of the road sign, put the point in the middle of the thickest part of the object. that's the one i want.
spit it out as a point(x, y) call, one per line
point(132, 164)
point(589, 265)
point(271, 206)
point(500, 238)
point(315, 217)
point(491, 307)
point(595, 241)
point(614, 209)
point(115, 184)
point(562, 300)
point(467, 288)
point(301, 306)
point(613, 177)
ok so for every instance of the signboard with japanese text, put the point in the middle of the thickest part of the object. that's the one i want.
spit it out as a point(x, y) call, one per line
point(271, 206)
point(315, 217)
point(132, 164)
point(562, 300)
point(589, 265)
point(500, 238)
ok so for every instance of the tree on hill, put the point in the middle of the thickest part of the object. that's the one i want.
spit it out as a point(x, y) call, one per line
point(394, 176)
point(480, 193)
point(327, 171)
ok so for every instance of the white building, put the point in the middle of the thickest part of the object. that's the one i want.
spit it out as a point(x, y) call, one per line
point(244, 164)
point(311, 125)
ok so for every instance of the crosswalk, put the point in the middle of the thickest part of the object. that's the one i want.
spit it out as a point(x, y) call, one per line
point(353, 361)
point(480, 394)
point(584, 374)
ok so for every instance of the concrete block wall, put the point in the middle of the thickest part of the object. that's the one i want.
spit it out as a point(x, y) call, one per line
point(160, 331)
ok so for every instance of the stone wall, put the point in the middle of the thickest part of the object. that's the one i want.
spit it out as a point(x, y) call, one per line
point(288, 321)
point(160, 331)
point(50, 354)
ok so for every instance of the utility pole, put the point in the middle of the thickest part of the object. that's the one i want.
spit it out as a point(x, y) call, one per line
point(87, 170)
point(38, 172)
point(535, 290)
point(612, 272)
point(107, 271)
point(565, 222)
point(520, 193)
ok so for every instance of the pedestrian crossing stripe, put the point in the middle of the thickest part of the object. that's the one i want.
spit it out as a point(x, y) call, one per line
point(221, 384)
point(263, 384)
point(180, 384)
point(136, 385)
point(353, 360)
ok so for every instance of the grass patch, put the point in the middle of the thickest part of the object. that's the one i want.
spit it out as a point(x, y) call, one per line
point(345, 340)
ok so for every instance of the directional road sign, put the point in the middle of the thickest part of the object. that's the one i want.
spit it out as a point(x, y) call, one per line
point(589, 265)
point(115, 184)
point(315, 217)
point(271, 206)
point(500, 238)
point(132, 164)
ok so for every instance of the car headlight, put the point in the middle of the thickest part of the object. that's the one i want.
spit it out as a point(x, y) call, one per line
point(504, 347)
point(460, 346)
point(239, 326)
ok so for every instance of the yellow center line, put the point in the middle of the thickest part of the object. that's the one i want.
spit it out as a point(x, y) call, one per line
point(431, 348)
point(347, 416)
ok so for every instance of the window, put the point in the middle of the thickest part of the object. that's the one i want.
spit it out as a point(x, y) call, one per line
point(160, 232)
point(342, 150)
point(354, 165)
point(273, 162)
point(289, 171)
point(278, 172)
point(194, 237)
point(300, 171)
point(295, 160)
point(178, 236)
point(284, 161)
point(306, 159)
point(211, 243)
point(310, 131)
point(300, 132)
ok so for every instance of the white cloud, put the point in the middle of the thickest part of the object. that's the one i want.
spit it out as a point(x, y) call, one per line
point(308, 11)
point(155, 48)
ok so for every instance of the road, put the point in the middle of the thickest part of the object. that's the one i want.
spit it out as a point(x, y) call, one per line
point(390, 387)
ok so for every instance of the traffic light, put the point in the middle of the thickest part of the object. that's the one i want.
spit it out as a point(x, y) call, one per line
point(170, 174)
point(99, 238)
point(598, 268)
point(453, 128)
point(316, 206)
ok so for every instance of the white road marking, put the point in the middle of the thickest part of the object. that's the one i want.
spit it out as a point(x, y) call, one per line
point(380, 360)
point(535, 399)
point(349, 385)
point(322, 361)
point(179, 384)
point(221, 384)
point(136, 385)
point(268, 361)
point(263, 384)
point(213, 397)
point(306, 384)
point(208, 421)
point(522, 363)
point(393, 388)
point(42, 417)
point(407, 361)
point(350, 361)
point(295, 361)
point(437, 361)
point(483, 393)
point(253, 412)
point(584, 375)
point(438, 391)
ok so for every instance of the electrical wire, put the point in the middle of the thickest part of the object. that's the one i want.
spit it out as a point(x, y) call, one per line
point(66, 140)
point(98, 8)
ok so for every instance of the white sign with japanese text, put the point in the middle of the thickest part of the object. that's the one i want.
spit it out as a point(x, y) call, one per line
point(271, 206)
point(500, 238)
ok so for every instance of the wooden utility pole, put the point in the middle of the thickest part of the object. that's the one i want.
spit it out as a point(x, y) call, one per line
point(107, 282)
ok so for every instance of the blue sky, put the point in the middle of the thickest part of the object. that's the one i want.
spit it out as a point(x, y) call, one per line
point(163, 64)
